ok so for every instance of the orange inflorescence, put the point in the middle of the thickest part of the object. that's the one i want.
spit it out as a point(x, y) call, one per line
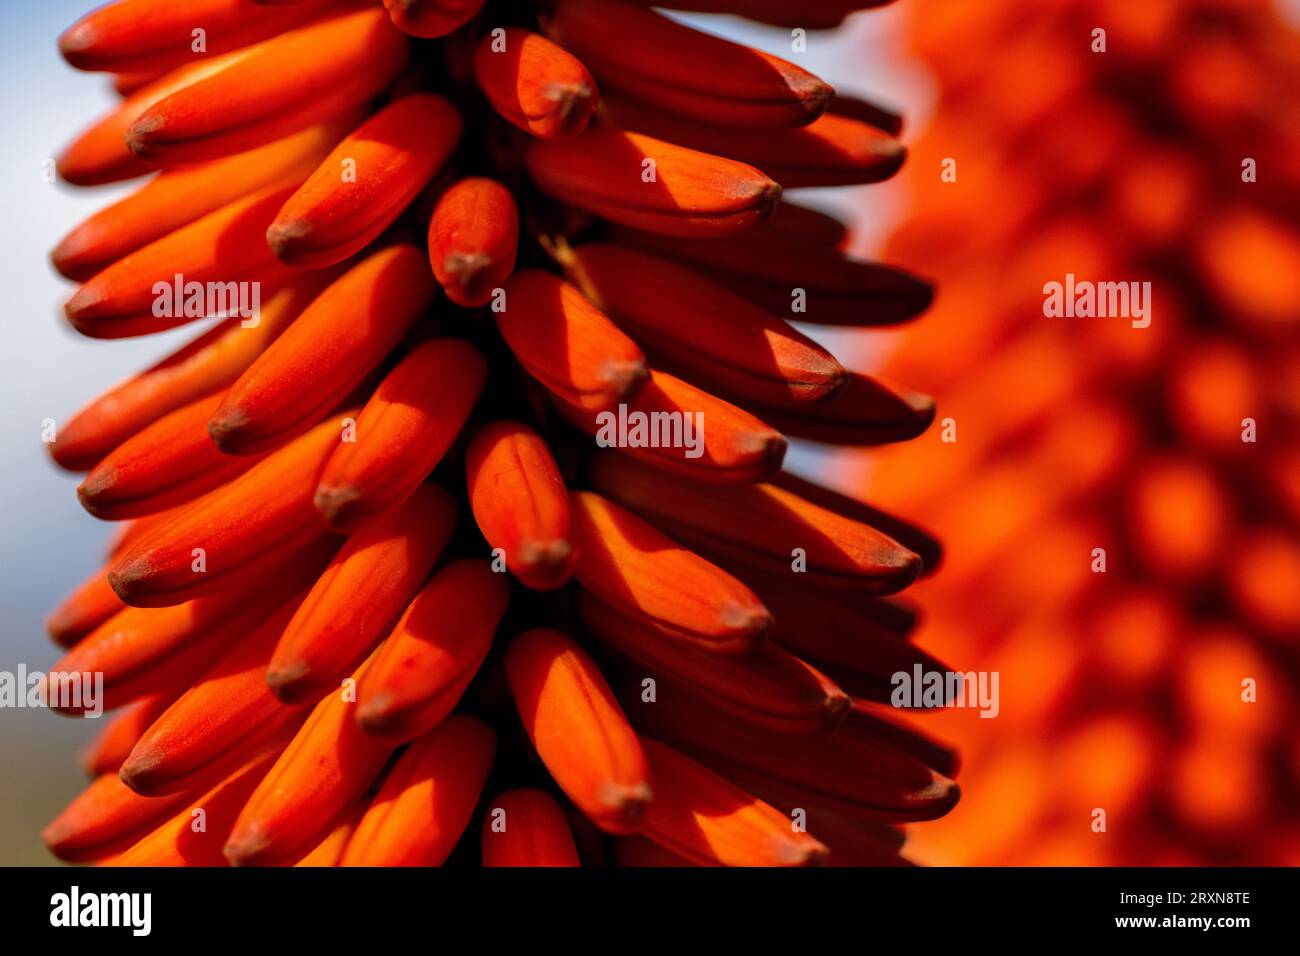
point(1116, 486)
point(377, 588)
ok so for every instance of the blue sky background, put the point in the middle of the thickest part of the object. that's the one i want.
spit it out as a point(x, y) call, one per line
point(47, 543)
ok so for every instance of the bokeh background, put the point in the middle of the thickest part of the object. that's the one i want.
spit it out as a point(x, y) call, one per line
point(892, 55)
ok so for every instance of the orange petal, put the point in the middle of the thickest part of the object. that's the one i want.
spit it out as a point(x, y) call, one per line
point(578, 729)
point(403, 432)
point(328, 351)
point(520, 503)
point(425, 804)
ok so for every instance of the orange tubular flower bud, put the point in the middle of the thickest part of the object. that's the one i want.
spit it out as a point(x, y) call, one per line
point(334, 344)
point(178, 843)
point(648, 575)
point(809, 14)
point(100, 154)
point(327, 766)
point(359, 596)
point(700, 816)
point(393, 155)
point(402, 432)
point(527, 828)
point(219, 722)
point(148, 34)
point(578, 729)
point(685, 71)
point(709, 334)
point(435, 649)
point(520, 503)
point(267, 91)
point(538, 86)
point(90, 605)
point(152, 650)
point(636, 180)
point(177, 197)
point(831, 151)
point(762, 524)
point(223, 246)
point(432, 18)
point(112, 745)
point(764, 265)
point(473, 238)
point(209, 363)
point(247, 524)
point(105, 818)
point(171, 462)
point(735, 448)
point(566, 343)
point(427, 800)
point(767, 686)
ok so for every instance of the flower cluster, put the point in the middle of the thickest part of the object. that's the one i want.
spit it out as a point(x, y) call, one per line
point(384, 569)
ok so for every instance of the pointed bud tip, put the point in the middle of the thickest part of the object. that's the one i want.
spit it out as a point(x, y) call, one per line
point(287, 681)
point(626, 802)
point(244, 845)
point(224, 428)
point(140, 134)
point(625, 378)
point(284, 237)
point(337, 505)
